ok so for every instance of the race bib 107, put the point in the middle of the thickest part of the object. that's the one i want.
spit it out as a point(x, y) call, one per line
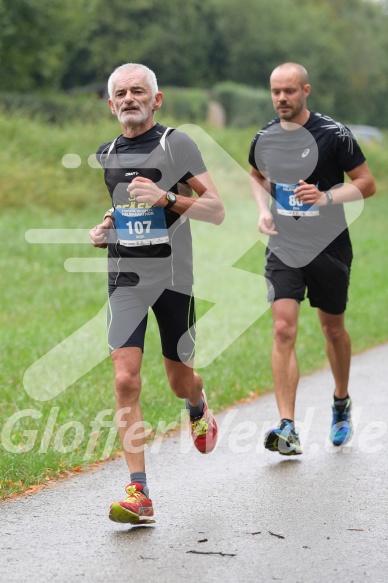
point(140, 226)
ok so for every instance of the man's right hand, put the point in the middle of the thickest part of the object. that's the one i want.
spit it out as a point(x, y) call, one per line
point(99, 234)
point(266, 224)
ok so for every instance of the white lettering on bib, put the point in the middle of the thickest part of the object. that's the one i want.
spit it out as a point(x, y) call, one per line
point(288, 204)
point(140, 226)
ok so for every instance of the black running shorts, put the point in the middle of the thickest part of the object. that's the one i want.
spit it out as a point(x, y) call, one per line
point(174, 310)
point(326, 279)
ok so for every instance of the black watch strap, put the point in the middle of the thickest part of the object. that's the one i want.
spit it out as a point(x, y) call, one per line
point(171, 200)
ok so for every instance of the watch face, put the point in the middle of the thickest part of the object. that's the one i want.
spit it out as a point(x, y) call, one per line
point(171, 196)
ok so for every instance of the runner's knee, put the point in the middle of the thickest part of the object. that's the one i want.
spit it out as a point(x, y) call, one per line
point(127, 384)
point(182, 384)
point(333, 332)
point(284, 331)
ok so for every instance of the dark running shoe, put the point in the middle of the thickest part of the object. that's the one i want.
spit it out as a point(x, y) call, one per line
point(341, 426)
point(283, 439)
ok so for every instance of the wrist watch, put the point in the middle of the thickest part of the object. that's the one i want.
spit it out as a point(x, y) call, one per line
point(109, 213)
point(329, 197)
point(171, 199)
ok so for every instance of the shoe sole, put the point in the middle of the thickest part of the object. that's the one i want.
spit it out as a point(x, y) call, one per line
point(345, 441)
point(119, 514)
point(208, 450)
point(272, 444)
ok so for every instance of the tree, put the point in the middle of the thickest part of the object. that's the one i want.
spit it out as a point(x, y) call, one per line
point(37, 39)
point(51, 44)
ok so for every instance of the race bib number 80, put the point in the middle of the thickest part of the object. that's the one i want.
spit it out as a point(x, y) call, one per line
point(139, 226)
point(288, 204)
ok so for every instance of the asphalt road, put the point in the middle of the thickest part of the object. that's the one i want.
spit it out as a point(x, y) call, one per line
point(239, 514)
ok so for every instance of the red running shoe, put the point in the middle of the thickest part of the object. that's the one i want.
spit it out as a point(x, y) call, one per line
point(135, 509)
point(204, 430)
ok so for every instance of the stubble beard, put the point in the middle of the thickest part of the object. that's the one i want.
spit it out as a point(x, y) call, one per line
point(129, 119)
point(291, 113)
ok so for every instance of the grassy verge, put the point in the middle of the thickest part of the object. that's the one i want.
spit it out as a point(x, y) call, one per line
point(43, 304)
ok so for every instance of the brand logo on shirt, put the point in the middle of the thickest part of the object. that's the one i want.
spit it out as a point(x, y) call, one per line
point(131, 173)
point(305, 152)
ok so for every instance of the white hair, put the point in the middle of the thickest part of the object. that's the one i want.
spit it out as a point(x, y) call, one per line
point(150, 77)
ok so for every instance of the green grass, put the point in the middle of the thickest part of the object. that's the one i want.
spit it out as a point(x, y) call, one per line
point(43, 304)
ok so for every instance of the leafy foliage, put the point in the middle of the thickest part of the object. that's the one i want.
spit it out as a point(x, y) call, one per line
point(51, 44)
point(244, 105)
point(189, 105)
point(56, 108)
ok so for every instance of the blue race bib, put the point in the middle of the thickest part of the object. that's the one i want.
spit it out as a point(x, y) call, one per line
point(140, 226)
point(288, 204)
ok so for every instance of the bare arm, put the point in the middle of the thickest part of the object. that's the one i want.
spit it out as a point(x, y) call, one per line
point(361, 185)
point(208, 206)
point(261, 191)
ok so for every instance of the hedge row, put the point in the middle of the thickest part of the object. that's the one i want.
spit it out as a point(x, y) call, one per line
point(242, 105)
point(58, 108)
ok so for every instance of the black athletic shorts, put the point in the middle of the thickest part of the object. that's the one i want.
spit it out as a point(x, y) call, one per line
point(326, 279)
point(174, 310)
